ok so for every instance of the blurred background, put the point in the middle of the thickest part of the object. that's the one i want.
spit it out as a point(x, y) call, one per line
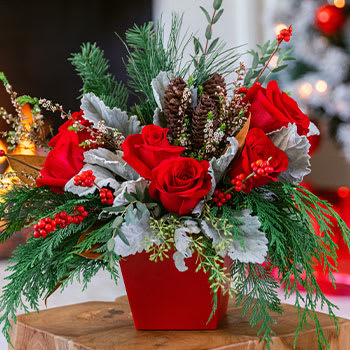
point(36, 41)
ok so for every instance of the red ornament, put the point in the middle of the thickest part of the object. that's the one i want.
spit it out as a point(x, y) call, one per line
point(329, 19)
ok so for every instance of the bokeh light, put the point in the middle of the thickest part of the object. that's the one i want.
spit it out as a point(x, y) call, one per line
point(305, 90)
point(321, 86)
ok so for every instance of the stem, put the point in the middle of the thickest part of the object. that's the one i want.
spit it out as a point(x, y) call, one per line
point(267, 63)
point(211, 25)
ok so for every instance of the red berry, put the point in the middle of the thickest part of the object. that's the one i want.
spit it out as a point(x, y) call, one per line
point(241, 176)
point(80, 208)
point(219, 204)
point(228, 196)
point(2, 153)
point(48, 220)
point(216, 199)
point(58, 221)
point(260, 171)
point(102, 194)
point(63, 214)
point(255, 176)
point(41, 224)
point(84, 213)
point(36, 234)
point(216, 192)
point(238, 183)
point(253, 165)
point(223, 200)
point(69, 219)
point(258, 162)
point(43, 233)
point(36, 226)
point(62, 225)
point(269, 169)
point(238, 188)
point(48, 228)
point(110, 201)
point(255, 169)
point(109, 194)
point(75, 220)
point(53, 223)
point(233, 181)
point(221, 195)
point(263, 165)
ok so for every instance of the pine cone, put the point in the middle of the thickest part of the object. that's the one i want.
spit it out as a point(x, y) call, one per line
point(172, 103)
point(199, 119)
point(210, 87)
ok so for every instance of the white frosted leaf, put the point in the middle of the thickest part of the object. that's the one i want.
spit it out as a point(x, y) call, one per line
point(296, 148)
point(158, 118)
point(218, 166)
point(159, 85)
point(254, 249)
point(181, 238)
point(194, 96)
point(179, 261)
point(130, 187)
point(313, 130)
point(96, 111)
point(198, 208)
point(112, 161)
point(104, 178)
point(136, 234)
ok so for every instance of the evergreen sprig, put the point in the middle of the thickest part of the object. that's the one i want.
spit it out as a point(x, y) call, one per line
point(149, 53)
point(92, 67)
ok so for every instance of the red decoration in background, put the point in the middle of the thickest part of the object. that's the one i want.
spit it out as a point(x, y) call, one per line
point(329, 19)
point(340, 199)
point(161, 297)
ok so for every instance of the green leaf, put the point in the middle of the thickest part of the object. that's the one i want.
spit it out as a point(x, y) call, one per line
point(114, 209)
point(275, 70)
point(129, 215)
point(122, 236)
point(289, 59)
point(111, 244)
point(129, 197)
point(288, 52)
point(218, 15)
point(208, 32)
point(117, 222)
point(217, 4)
point(265, 47)
point(141, 207)
point(212, 45)
point(139, 194)
point(206, 13)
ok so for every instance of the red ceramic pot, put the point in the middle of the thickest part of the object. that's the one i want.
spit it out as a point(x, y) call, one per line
point(161, 297)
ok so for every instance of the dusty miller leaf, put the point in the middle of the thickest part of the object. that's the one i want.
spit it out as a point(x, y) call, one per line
point(159, 85)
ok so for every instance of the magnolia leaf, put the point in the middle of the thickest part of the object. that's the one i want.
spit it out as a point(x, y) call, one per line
point(241, 136)
point(296, 148)
point(104, 178)
point(112, 161)
point(159, 85)
point(96, 111)
point(135, 233)
point(26, 166)
point(179, 261)
point(218, 167)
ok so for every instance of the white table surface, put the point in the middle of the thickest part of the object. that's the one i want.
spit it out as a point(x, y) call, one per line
point(102, 288)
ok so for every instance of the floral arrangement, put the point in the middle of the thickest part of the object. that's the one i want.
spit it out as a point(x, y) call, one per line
point(200, 167)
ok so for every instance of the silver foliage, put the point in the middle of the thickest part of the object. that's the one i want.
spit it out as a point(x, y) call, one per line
point(218, 166)
point(252, 245)
point(135, 233)
point(96, 111)
point(296, 148)
point(112, 161)
point(130, 187)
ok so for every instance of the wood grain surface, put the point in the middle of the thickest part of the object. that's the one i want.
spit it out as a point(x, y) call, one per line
point(109, 326)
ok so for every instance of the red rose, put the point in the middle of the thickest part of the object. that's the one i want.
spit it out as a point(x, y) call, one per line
point(271, 109)
point(180, 183)
point(66, 158)
point(147, 150)
point(259, 146)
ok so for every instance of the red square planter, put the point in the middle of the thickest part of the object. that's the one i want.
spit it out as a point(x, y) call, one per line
point(161, 297)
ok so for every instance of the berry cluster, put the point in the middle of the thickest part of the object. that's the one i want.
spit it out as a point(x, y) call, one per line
point(220, 197)
point(62, 219)
point(285, 34)
point(85, 179)
point(106, 196)
point(238, 182)
point(261, 168)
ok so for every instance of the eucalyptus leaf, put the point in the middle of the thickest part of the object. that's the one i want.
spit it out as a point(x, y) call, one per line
point(212, 45)
point(118, 209)
point(206, 13)
point(208, 33)
point(275, 70)
point(111, 244)
point(117, 221)
point(218, 15)
point(130, 198)
point(217, 4)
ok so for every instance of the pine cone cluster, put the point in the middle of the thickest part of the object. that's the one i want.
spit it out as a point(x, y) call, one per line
point(213, 86)
point(176, 107)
